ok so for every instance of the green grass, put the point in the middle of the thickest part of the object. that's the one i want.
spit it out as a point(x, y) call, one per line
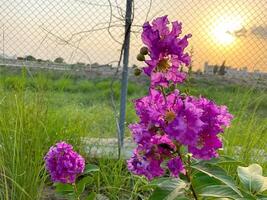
point(36, 111)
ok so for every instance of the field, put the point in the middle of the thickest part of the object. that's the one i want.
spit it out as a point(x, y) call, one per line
point(39, 109)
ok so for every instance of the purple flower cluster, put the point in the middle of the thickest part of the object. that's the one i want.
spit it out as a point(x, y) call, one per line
point(169, 121)
point(166, 52)
point(63, 163)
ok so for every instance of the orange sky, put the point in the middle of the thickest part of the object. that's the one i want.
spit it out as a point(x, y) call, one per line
point(231, 30)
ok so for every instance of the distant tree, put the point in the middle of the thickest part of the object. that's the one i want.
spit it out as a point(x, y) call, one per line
point(215, 69)
point(222, 70)
point(39, 60)
point(59, 60)
point(95, 64)
point(199, 71)
point(80, 64)
point(20, 58)
point(30, 58)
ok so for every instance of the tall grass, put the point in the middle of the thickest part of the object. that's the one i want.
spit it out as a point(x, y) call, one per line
point(246, 138)
point(115, 181)
point(27, 128)
point(37, 111)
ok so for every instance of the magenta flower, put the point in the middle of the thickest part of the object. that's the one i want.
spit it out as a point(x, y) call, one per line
point(141, 134)
point(207, 147)
point(176, 166)
point(166, 52)
point(155, 111)
point(215, 119)
point(170, 121)
point(140, 165)
point(148, 157)
point(186, 126)
point(63, 163)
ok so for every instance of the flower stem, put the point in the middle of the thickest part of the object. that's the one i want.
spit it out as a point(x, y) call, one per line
point(188, 174)
point(163, 92)
point(76, 191)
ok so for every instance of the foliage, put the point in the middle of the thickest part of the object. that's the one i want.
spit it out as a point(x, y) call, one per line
point(76, 190)
point(59, 106)
point(30, 58)
point(211, 181)
point(59, 60)
point(20, 58)
point(221, 70)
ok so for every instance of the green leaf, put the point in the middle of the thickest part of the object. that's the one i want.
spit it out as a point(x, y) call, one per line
point(91, 196)
point(64, 189)
point(166, 183)
point(225, 160)
point(82, 183)
point(252, 179)
point(89, 168)
point(168, 189)
point(201, 180)
point(217, 173)
point(264, 186)
point(159, 194)
point(219, 191)
point(262, 197)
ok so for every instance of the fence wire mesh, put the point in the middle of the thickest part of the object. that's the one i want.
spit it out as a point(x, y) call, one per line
point(92, 31)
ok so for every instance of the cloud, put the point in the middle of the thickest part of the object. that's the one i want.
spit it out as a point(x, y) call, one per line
point(260, 31)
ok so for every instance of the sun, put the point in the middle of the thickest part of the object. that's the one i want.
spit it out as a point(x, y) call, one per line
point(223, 29)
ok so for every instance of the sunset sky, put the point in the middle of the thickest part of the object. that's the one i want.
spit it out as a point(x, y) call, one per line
point(231, 30)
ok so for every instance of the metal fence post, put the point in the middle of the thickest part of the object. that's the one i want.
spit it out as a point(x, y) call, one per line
point(124, 81)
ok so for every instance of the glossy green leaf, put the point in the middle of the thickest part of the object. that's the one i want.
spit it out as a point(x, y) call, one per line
point(168, 189)
point(159, 194)
point(217, 173)
point(252, 179)
point(166, 183)
point(89, 168)
point(220, 160)
point(219, 191)
point(201, 180)
point(64, 188)
point(82, 183)
point(264, 186)
point(262, 197)
point(91, 196)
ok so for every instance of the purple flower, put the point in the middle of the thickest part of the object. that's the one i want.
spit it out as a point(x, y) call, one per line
point(147, 158)
point(63, 163)
point(187, 124)
point(207, 147)
point(176, 166)
point(154, 110)
point(215, 119)
point(150, 108)
point(140, 165)
point(166, 52)
point(140, 133)
point(170, 121)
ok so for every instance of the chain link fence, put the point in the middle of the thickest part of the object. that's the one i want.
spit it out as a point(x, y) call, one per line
point(92, 31)
point(66, 34)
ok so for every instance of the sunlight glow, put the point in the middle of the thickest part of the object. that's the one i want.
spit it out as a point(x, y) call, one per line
point(224, 29)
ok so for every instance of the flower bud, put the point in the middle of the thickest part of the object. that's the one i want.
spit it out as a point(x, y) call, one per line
point(144, 51)
point(183, 96)
point(140, 57)
point(172, 87)
point(137, 71)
